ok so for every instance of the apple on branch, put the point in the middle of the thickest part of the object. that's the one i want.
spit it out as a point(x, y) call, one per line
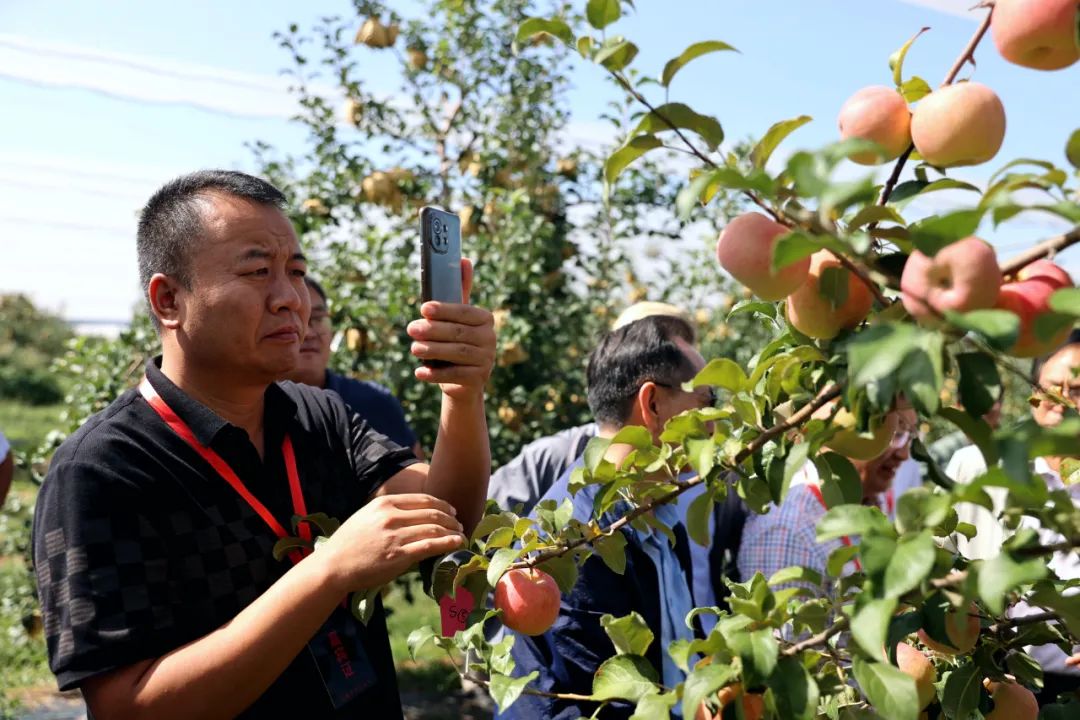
point(1038, 34)
point(961, 277)
point(529, 600)
point(745, 251)
point(1028, 297)
point(962, 124)
point(817, 316)
point(878, 114)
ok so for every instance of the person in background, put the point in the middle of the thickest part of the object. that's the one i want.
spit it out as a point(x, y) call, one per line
point(367, 399)
point(528, 476)
point(786, 535)
point(635, 377)
point(7, 468)
point(945, 449)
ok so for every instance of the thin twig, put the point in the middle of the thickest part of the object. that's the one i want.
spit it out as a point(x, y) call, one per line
point(1023, 620)
point(473, 677)
point(860, 273)
point(1043, 249)
point(797, 418)
point(820, 639)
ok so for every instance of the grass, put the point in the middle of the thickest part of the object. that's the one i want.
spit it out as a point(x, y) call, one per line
point(25, 427)
point(432, 671)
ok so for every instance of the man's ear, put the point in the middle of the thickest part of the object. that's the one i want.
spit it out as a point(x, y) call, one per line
point(647, 405)
point(166, 300)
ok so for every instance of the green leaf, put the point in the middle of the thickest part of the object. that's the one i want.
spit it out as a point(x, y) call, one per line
point(896, 60)
point(697, 519)
point(629, 634)
point(775, 135)
point(678, 115)
point(288, 544)
point(1066, 301)
point(753, 306)
point(911, 564)
point(616, 54)
point(563, 569)
point(833, 285)
point(977, 430)
point(702, 684)
point(963, 687)
point(914, 89)
point(1047, 325)
point(612, 550)
point(1067, 607)
point(532, 27)
point(634, 435)
point(688, 197)
point(694, 51)
point(601, 13)
point(363, 604)
point(655, 706)
point(500, 562)
point(625, 677)
point(793, 247)
point(999, 327)
point(870, 624)
point(875, 214)
point(878, 352)
point(759, 652)
point(505, 689)
point(840, 557)
point(938, 231)
point(1072, 149)
point(419, 638)
point(889, 690)
point(490, 523)
point(794, 691)
point(841, 484)
point(1000, 575)
point(796, 573)
point(846, 520)
point(980, 383)
point(723, 373)
point(634, 148)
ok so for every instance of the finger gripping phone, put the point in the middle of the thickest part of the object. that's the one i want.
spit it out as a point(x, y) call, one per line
point(440, 255)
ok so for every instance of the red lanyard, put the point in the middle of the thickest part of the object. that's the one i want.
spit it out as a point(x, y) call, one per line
point(218, 463)
point(846, 540)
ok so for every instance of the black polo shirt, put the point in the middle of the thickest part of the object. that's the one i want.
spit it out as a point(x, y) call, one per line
point(141, 547)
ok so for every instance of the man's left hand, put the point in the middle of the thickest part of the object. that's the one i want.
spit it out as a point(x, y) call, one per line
point(457, 333)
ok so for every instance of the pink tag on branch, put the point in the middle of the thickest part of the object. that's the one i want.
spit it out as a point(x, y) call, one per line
point(455, 611)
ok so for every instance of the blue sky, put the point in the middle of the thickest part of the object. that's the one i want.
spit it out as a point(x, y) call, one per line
point(104, 101)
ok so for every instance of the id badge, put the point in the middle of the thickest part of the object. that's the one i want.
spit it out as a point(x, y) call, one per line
point(338, 651)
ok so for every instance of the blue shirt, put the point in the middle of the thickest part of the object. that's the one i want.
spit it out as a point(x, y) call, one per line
point(376, 405)
point(568, 654)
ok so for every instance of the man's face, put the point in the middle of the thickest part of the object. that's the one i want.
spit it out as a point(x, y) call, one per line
point(877, 474)
point(1059, 375)
point(248, 306)
point(315, 350)
point(671, 399)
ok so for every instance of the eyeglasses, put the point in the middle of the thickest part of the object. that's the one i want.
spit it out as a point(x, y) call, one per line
point(900, 439)
point(708, 400)
point(1060, 390)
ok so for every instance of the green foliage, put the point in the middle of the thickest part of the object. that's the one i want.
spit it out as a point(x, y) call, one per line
point(29, 341)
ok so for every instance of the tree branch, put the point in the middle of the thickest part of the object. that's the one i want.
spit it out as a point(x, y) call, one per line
point(473, 677)
point(820, 639)
point(797, 418)
point(1043, 249)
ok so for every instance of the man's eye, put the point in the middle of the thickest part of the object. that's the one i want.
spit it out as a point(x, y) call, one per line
point(259, 272)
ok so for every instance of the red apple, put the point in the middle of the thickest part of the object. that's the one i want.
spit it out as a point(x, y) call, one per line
point(745, 251)
point(529, 600)
point(915, 664)
point(813, 315)
point(1046, 271)
point(1039, 34)
point(1028, 298)
point(879, 114)
point(962, 276)
point(1011, 701)
point(961, 124)
point(962, 631)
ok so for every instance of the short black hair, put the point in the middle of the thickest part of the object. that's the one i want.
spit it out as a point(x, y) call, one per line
point(1040, 362)
point(172, 218)
point(317, 287)
point(628, 357)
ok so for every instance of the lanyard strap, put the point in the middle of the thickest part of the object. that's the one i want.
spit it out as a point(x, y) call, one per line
point(182, 429)
point(814, 488)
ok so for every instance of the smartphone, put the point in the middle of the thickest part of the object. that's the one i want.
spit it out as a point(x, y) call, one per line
point(440, 255)
point(440, 260)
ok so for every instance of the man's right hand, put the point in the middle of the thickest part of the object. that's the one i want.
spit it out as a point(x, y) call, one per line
point(386, 537)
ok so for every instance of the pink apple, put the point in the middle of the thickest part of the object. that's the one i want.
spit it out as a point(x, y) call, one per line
point(962, 276)
point(1039, 34)
point(529, 600)
point(879, 114)
point(745, 251)
point(961, 124)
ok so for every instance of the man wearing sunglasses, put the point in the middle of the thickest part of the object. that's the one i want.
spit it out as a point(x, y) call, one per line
point(635, 378)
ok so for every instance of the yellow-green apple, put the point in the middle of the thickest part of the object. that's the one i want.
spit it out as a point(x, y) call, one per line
point(814, 315)
point(961, 124)
point(745, 251)
point(1029, 298)
point(1012, 701)
point(879, 114)
point(528, 599)
point(962, 276)
point(1038, 34)
point(848, 441)
point(961, 628)
point(915, 664)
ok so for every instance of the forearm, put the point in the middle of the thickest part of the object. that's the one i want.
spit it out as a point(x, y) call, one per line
point(221, 674)
point(461, 460)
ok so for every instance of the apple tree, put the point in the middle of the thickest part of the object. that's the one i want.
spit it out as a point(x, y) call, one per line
point(863, 305)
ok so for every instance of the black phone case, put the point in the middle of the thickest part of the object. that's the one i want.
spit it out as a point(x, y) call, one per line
point(440, 255)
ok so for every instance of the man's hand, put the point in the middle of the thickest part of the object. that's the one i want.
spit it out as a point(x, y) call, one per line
point(386, 537)
point(456, 333)
point(1073, 661)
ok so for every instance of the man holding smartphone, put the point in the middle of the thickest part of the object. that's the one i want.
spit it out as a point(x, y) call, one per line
point(155, 528)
